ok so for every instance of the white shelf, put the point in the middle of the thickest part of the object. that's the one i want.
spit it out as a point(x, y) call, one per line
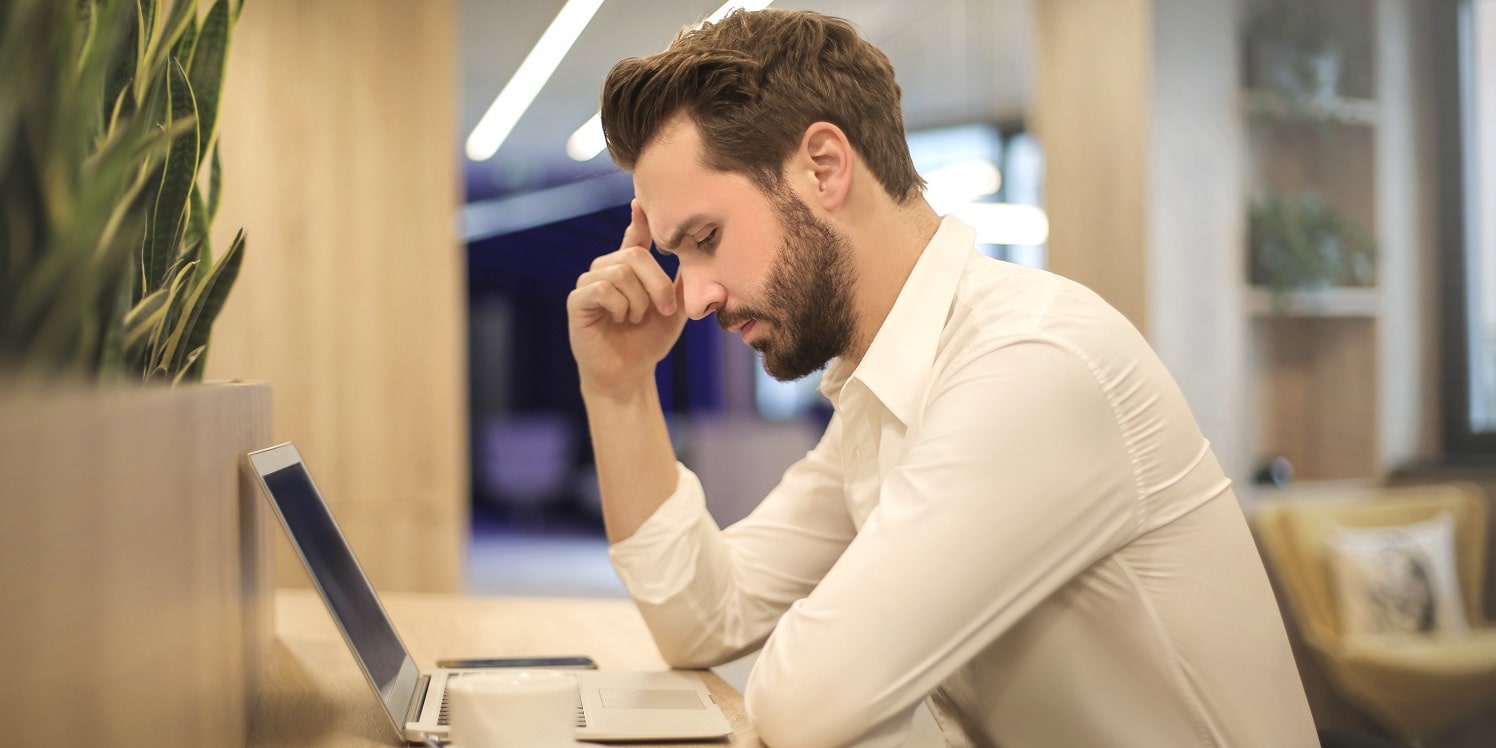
point(1329, 302)
point(1340, 110)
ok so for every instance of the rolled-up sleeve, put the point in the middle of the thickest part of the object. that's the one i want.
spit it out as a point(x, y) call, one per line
point(709, 596)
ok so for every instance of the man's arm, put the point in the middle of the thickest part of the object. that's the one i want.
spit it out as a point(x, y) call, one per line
point(624, 316)
point(1018, 480)
point(709, 595)
point(635, 460)
point(706, 594)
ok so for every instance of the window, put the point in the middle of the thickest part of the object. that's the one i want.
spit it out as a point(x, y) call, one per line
point(1466, 74)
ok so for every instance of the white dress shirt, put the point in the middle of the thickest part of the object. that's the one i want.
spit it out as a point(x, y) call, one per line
point(1013, 514)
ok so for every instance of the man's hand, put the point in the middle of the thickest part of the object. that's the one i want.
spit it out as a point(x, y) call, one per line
point(625, 314)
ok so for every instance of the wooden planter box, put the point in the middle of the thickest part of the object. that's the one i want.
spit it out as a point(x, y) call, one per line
point(135, 578)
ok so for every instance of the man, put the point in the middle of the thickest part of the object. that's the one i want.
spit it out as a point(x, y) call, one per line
point(1012, 512)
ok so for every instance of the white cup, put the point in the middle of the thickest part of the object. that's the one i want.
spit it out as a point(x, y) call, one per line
point(513, 709)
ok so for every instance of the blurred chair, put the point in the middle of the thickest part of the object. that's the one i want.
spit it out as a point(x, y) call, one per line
point(526, 461)
point(1417, 685)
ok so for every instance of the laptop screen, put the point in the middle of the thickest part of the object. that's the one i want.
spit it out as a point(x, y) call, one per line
point(338, 576)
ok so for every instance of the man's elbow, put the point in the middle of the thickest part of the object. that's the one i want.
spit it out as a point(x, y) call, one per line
point(690, 659)
point(794, 716)
point(698, 653)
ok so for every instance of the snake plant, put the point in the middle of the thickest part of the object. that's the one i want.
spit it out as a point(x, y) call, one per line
point(108, 116)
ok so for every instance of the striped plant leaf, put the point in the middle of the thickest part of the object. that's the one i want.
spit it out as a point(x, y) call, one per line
point(169, 214)
point(144, 318)
point(191, 364)
point(168, 335)
point(146, 31)
point(209, 298)
point(105, 264)
point(185, 46)
point(204, 259)
point(197, 218)
point(112, 347)
point(209, 61)
point(215, 186)
point(162, 43)
point(123, 56)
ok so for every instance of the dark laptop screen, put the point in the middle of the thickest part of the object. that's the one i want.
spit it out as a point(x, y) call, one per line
point(342, 582)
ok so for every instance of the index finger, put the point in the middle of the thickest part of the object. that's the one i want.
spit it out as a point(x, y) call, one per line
point(637, 234)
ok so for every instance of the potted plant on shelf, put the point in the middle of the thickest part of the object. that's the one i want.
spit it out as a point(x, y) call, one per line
point(1304, 50)
point(1298, 242)
point(127, 517)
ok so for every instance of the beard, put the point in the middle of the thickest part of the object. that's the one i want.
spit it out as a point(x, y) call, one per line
point(807, 298)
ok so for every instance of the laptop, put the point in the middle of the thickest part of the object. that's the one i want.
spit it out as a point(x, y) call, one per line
point(612, 705)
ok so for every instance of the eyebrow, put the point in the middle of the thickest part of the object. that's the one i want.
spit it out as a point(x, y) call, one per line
point(671, 243)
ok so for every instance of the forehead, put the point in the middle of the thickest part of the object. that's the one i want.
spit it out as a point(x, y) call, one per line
point(672, 183)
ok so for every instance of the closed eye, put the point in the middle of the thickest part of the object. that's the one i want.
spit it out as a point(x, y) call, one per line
point(709, 242)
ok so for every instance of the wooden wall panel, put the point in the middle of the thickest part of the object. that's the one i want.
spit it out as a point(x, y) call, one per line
point(1091, 113)
point(1136, 107)
point(340, 159)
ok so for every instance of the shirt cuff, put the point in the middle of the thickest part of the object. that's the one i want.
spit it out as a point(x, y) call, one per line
point(655, 562)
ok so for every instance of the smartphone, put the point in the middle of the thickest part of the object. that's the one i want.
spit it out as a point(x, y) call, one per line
point(574, 661)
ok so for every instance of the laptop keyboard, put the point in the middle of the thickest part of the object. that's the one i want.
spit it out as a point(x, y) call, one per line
point(445, 713)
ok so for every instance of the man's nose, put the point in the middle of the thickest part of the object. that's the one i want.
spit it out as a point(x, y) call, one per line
point(703, 295)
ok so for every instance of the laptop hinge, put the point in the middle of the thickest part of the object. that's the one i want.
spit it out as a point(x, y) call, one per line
point(413, 712)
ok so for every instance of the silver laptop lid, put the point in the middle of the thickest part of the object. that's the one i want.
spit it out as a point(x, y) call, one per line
point(340, 580)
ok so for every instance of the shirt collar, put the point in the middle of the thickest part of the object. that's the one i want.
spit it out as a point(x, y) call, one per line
point(900, 356)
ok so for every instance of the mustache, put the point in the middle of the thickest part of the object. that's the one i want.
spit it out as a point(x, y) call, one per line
point(728, 319)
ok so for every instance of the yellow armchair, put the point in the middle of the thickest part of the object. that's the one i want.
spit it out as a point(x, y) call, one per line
point(1416, 685)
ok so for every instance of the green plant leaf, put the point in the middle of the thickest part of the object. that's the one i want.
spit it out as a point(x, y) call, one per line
point(190, 366)
point(187, 44)
point(123, 54)
point(204, 260)
point(197, 218)
point(163, 42)
point(112, 346)
point(169, 214)
point(144, 318)
point(100, 149)
point(168, 335)
point(215, 186)
point(145, 26)
point(208, 65)
point(209, 298)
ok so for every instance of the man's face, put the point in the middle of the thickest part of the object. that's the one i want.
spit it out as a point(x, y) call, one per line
point(807, 298)
point(768, 268)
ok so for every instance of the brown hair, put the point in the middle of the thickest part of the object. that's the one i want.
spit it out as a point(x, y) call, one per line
point(752, 83)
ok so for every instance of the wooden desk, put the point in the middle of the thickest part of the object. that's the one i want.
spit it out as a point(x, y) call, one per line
point(315, 695)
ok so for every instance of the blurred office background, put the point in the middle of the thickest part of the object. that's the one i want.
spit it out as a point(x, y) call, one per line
point(406, 292)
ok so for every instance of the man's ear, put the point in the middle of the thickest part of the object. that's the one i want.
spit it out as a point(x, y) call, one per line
point(827, 157)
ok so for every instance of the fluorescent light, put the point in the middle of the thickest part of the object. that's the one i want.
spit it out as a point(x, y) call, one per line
point(537, 68)
point(1005, 223)
point(588, 140)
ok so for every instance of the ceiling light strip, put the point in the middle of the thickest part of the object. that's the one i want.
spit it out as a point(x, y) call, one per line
point(532, 75)
point(588, 140)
